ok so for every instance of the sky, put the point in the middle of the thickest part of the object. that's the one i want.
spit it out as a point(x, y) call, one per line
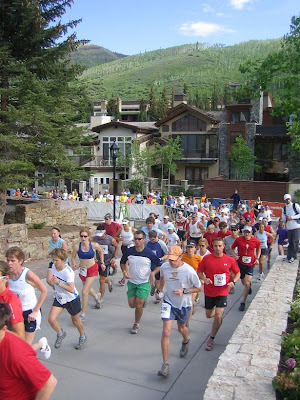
point(135, 26)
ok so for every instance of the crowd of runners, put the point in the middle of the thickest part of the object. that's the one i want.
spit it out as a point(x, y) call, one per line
point(203, 248)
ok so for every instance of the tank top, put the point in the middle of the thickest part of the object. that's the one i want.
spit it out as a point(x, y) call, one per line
point(194, 230)
point(263, 238)
point(86, 255)
point(57, 245)
point(23, 290)
point(127, 237)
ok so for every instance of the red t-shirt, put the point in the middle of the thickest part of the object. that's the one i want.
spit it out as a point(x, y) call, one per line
point(251, 215)
point(22, 375)
point(223, 235)
point(14, 304)
point(217, 269)
point(246, 249)
point(268, 229)
point(112, 228)
point(210, 237)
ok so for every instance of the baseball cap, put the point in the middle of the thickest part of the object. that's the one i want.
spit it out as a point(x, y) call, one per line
point(248, 219)
point(4, 268)
point(216, 219)
point(125, 221)
point(174, 252)
point(260, 218)
point(108, 215)
point(166, 217)
point(247, 229)
point(287, 196)
point(100, 231)
point(262, 207)
point(190, 243)
point(170, 226)
point(233, 226)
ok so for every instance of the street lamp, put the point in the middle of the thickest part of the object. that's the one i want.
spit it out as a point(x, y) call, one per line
point(114, 149)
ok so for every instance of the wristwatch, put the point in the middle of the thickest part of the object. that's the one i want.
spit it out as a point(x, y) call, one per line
point(185, 291)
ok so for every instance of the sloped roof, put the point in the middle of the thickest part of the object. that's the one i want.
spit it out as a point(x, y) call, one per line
point(137, 127)
point(182, 108)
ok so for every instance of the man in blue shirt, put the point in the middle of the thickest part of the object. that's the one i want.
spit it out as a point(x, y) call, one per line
point(236, 199)
point(150, 221)
point(136, 267)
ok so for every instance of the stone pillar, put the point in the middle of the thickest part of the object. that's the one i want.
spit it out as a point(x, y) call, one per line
point(164, 184)
point(184, 183)
point(223, 150)
point(146, 188)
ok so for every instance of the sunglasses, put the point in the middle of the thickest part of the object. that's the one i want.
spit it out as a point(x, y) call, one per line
point(202, 245)
point(233, 230)
point(138, 238)
point(83, 236)
point(2, 277)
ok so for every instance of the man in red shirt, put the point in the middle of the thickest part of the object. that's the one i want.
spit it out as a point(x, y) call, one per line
point(210, 235)
point(223, 232)
point(215, 270)
point(22, 375)
point(269, 229)
point(248, 248)
point(111, 229)
point(250, 213)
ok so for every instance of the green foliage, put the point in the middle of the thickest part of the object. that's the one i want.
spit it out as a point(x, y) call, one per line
point(242, 159)
point(279, 73)
point(90, 55)
point(39, 226)
point(135, 185)
point(193, 67)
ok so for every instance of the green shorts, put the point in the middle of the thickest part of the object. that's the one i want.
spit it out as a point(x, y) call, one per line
point(142, 291)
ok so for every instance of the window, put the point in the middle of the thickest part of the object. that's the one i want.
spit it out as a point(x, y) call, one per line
point(124, 142)
point(195, 144)
point(107, 181)
point(95, 180)
point(196, 175)
point(165, 128)
point(233, 136)
point(101, 181)
point(238, 117)
point(189, 123)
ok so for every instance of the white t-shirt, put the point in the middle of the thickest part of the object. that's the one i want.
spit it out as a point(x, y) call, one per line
point(66, 275)
point(172, 238)
point(178, 278)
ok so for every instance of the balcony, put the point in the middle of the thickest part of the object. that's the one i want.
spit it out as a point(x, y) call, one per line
point(199, 156)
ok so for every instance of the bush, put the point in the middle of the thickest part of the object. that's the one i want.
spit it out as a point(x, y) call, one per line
point(39, 226)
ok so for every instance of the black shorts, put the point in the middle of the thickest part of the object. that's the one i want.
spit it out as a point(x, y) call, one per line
point(264, 252)
point(105, 272)
point(32, 326)
point(218, 301)
point(157, 276)
point(181, 234)
point(195, 239)
point(73, 307)
point(244, 270)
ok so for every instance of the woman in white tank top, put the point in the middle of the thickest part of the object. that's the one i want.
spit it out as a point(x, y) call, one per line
point(23, 283)
point(126, 235)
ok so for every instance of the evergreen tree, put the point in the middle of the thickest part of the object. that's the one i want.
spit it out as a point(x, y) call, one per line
point(214, 98)
point(36, 99)
point(143, 113)
point(113, 108)
point(242, 160)
point(227, 95)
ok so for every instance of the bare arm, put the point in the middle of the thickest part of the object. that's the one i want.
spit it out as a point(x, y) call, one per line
point(74, 254)
point(47, 390)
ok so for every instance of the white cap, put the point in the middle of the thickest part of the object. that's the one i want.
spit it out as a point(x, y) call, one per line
point(166, 216)
point(125, 221)
point(247, 229)
point(287, 196)
point(170, 226)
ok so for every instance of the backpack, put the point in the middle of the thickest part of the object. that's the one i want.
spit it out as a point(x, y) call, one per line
point(295, 211)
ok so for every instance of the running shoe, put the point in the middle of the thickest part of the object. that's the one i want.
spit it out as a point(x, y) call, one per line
point(261, 277)
point(98, 302)
point(210, 344)
point(122, 282)
point(152, 291)
point(184, 348)
point(46, 349)
point(81, 343)
point(135, 329)
point(292, 259)
point(269, 264)
point(285, 259)
point(82, 317)
point(242, 307)
point(110, 284)
point(59, 339)
point(164, 371)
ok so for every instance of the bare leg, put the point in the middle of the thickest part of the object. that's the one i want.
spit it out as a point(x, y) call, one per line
point(85, 292)
point(165, 339)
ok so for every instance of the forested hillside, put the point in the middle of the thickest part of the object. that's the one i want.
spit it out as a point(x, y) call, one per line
point(90, 55)
point(196, 67)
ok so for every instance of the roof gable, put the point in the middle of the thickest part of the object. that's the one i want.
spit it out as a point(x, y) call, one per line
point(183, 109)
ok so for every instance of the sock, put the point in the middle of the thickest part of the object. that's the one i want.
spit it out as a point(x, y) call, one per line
point(212, 337)
point(60, 333)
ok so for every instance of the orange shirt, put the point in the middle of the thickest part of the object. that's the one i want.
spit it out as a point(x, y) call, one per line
point(192, 261)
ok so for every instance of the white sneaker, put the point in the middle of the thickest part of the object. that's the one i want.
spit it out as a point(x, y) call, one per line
point(261, 277)
point(292, 259)
point(46, 349)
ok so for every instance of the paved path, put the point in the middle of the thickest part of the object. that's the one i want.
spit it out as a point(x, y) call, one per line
point(116, 363)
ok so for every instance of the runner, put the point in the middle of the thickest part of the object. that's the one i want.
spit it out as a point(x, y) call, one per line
point(195, 228)
point(110, 249)
point(228, 241)
point(112, 228)
point(172, 237)
point(88, 267)
point(215, 270)
point(61, 279)
point(22, 375)
point(247, 245)
point(282, 234)
point(23, 283)
point(150, 227)
point(180, 281)
point(203, 248)
point(210, 235)
point(262, 235)
point(180, 225)
point(160, 249)
point(136, 267)
point(291, 215)
point(271, 237)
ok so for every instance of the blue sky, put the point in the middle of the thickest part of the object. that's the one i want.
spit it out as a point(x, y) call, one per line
point(135, 26)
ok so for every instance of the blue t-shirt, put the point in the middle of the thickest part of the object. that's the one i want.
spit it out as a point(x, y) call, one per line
point(157, 249)
point(146, 231)
point(282, 235)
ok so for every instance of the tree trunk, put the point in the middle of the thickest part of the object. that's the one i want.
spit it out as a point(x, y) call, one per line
point(2, 205)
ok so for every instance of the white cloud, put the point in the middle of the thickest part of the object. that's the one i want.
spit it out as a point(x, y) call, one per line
point(207, 8)
point(239, 4)
point(220, 14)
point(203, 29)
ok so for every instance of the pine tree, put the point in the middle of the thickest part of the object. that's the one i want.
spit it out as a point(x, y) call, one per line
point(36, 104)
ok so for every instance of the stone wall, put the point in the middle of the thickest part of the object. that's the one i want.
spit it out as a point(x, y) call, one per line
point(13, 235)
point(250, 361)
point(51, 213)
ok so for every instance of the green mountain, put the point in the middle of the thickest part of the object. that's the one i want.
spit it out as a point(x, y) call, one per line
point(91, 55)
point(197, 66)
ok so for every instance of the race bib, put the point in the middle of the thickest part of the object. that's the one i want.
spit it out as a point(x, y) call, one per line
point(165, 310)
point(246, 259)
point(83, 271)
point(104, 248)
point(220, 279)
point(60, 297)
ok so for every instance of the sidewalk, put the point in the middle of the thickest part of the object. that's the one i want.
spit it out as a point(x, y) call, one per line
point(116, 362)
